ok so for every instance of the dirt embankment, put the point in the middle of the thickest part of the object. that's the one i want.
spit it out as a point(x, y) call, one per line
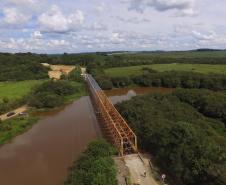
point(58, 70)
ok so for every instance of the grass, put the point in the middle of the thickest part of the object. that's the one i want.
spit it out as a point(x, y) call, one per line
point(134, 70)
point(17, 90)
point(177, 54)
point(14, 127)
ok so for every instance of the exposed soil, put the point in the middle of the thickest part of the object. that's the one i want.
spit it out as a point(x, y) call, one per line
point(17, 112)
point(122, 170)
point(58, 70)
point(140, 170)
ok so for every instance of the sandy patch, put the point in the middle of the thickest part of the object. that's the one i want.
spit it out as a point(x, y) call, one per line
point(58, 70)
point(137, 167)
point(17, 112)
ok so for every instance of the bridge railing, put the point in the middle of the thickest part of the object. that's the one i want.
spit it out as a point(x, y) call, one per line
point(115, 127)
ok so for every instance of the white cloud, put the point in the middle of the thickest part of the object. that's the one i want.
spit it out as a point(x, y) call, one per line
point(186, 12)
point(14, 17)
point(116, 38)
point(96, 26)
point(21, 2)
point(133, 20)
point(23, 24)
point(201, 36)
point(186, 6)
point(55, 21)
point(33, 44)
point(100, 8)
point(36, 35)
point(58, 43)
point(209, 39)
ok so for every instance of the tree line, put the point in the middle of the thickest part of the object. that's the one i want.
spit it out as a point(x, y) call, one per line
point(16, 67)
point(152, 78)
point(22, 66)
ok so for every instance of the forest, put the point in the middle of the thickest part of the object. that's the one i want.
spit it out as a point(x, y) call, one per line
point(211, 104)
point(21, 67)
point(188, 146)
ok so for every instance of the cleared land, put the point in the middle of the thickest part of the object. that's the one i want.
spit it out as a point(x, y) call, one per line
point(58, 70)
point(17, 112)
point(137, 168)
point(16, 90)
point(133, 70)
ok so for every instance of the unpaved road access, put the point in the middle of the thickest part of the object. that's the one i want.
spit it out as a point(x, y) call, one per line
point(137, 167)
point(17, 111)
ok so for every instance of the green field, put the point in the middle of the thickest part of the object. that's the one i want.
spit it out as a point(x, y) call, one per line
point(134, 70)
point(16, 90)
point(177, 54)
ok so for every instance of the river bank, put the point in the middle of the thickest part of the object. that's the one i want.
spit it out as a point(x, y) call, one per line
point(17, 124)
point(43, 154)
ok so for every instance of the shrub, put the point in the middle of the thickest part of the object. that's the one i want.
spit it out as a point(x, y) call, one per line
point(45, 100)
point(60, 88)
point(50, 94)
point(94, 167)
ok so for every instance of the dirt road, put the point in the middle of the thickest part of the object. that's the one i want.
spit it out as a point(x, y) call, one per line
point(137, 168)
point(17, 111)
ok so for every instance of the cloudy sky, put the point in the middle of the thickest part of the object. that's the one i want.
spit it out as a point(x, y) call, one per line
point(57, 26)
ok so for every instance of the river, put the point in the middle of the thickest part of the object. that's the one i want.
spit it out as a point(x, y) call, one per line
point(42, 155)
point(122, 94)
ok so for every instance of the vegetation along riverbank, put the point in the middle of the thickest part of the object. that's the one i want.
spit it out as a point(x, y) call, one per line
point(39, 95)
point(186, 144)
point(95, 166)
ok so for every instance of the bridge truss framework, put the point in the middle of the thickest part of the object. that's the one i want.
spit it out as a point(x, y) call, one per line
point(114, 127)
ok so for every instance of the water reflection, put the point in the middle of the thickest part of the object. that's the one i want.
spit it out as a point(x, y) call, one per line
point(122, 94)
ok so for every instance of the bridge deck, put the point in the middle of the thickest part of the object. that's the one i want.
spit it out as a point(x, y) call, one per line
point(114, 126)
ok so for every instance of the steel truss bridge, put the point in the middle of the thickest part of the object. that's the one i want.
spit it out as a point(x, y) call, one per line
point(114, 127)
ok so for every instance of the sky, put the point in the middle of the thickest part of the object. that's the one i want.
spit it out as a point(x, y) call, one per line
point(73, 26)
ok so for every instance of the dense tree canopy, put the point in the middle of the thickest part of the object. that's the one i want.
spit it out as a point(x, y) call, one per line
point(189, 146)
point(95, 166)
point(181, 79)
point(211, 104)
point(50, 94)
point(21, 67)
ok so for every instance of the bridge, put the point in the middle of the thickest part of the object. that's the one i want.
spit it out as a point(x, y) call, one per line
point(114, 127)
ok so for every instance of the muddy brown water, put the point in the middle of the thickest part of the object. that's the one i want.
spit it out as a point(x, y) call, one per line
point(122, 94)
point(42, 155)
